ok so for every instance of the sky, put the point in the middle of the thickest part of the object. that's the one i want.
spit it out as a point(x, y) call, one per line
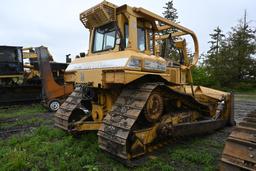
point(56, 24)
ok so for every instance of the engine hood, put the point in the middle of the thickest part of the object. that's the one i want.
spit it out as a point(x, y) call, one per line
point(118, 60)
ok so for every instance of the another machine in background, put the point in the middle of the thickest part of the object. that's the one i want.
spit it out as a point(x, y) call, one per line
point(11, 65)
point(25, 76)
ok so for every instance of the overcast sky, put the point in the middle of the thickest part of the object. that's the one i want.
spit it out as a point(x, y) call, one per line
point(56, 24)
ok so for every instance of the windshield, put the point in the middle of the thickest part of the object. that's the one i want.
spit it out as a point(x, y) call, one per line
point(10, 60)
point(10, 55)
point(104, 37)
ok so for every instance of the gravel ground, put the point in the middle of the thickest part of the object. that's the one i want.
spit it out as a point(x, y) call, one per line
point(244, 104)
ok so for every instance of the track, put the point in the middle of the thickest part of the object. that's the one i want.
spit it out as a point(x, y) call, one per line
point(240, 147)
point(116, 126)
point(63, 117)
point(117, 132)
point(125, 131)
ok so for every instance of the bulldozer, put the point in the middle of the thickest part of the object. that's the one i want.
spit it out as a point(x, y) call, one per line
point(30, 74)
point(130, 92)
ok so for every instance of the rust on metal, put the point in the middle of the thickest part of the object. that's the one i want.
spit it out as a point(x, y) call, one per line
point(51, 90)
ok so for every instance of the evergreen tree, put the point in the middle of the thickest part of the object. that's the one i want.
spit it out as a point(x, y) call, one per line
point(231, 60)
point(217, 40)
point(213, 61)
point(242, 40)
point(170, 12)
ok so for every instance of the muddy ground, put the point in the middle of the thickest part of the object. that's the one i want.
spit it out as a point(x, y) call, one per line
point(24, 124)
point(23, 119)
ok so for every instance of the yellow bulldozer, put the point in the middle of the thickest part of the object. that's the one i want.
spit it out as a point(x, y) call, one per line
point(130, 92)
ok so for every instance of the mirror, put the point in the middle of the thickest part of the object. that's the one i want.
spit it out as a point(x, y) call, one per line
point(82, 54)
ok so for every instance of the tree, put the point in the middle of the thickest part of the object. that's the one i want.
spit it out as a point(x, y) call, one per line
point(231, 60)
point(242, 40)
point(213, 59)
point(217, 40)
point(170, 12)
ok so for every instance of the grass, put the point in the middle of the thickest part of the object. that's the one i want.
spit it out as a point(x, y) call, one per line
point(199, 152)
point(22, 123)
point(21, 110)
point(53, 149)
point(47, 148)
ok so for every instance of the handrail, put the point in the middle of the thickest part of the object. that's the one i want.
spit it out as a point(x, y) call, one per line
point(186, 31)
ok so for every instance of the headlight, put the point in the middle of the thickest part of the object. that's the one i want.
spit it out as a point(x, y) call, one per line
point(134, 63)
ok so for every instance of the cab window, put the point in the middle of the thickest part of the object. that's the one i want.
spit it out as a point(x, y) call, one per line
point(141, 39)
point(104, 37)
point(126, 36)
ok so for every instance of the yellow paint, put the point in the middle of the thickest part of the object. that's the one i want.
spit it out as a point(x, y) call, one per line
point(104, 78)
point(29, 55)
point(11, 76)
point(88, 126)
point(97, 112)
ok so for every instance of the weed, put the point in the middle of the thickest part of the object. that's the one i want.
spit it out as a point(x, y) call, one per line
point(15, 111)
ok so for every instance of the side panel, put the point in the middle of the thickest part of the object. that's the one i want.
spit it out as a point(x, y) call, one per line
point(174, 75)
point(104, 77)
point(89, 76)
point(127, 76)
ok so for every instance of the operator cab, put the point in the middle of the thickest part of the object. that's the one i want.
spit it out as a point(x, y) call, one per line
point(113, 37)
point(131, 39)
point(11, 60)
point(115, 28)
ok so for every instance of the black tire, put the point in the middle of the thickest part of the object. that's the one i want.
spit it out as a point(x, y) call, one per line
point(54, 105)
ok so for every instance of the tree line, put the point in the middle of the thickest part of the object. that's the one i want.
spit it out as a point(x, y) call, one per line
point(230, 61)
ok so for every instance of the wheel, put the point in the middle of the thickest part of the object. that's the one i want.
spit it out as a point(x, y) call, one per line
point(54, 105)
point(154, 107)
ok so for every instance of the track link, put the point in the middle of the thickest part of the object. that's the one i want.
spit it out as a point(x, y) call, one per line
point(117, 124)
point(62, 116)
point(240, 147)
